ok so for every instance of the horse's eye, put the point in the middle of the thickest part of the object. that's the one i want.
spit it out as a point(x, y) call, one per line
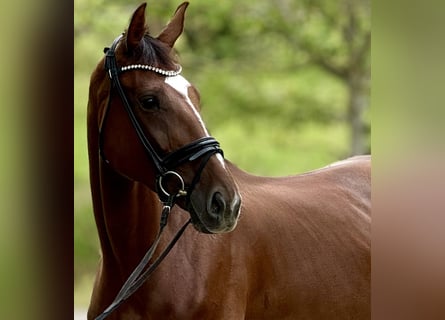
point(150, 103)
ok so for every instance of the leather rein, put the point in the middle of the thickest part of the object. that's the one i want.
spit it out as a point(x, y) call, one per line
point(202, 148)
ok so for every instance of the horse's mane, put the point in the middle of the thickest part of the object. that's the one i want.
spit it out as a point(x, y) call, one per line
point(153, 52)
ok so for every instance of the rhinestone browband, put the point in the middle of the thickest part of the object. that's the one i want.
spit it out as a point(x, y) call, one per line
point(168, 73)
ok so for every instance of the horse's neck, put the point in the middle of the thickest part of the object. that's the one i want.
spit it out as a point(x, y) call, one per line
point(127, 219)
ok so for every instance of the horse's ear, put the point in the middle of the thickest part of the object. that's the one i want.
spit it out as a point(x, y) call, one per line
point(174, 28)
point(137, 27)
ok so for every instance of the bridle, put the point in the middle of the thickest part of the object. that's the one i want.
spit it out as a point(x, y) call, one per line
point(202, 148)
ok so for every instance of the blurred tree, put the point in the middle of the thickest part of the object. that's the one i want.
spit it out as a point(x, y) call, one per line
point(336, 36)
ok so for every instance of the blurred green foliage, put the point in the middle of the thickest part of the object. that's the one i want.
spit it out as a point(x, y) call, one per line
point(266, 95)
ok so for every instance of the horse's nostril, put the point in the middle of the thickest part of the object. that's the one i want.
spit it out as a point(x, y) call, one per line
point(218, 205)
point(236, 206)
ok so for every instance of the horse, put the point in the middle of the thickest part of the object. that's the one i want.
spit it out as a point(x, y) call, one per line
point(293, 247)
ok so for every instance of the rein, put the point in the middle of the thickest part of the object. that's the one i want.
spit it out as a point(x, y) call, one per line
point(202, 148)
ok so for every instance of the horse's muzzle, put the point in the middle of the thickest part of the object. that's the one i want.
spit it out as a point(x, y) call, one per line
point(219, 214)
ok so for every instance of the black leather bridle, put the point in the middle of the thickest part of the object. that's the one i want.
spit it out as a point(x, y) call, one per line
point(202, 148)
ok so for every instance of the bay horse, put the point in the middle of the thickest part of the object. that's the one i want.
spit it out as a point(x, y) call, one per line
point(295, 247)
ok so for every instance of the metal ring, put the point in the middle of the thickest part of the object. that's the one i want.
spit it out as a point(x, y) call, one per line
point(181, 192)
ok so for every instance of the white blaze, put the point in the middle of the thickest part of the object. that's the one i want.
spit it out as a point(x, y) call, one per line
point(180, 84)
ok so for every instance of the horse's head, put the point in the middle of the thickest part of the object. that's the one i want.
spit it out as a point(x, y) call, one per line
point(151, 130)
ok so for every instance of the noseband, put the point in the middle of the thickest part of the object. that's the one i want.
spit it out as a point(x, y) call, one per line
point(202, 148)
